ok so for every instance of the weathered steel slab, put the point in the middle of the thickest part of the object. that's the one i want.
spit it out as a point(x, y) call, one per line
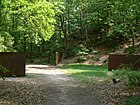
point(115, 61)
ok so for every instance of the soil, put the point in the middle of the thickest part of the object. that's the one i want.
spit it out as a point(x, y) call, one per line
point(46, 85)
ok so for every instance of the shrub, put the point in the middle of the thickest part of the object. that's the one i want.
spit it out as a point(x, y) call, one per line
point(82, 50)
point(3, 69)
point(81, 59)
point(79, 50)
point(126, 67)
point(134, 78)
point(132, 50)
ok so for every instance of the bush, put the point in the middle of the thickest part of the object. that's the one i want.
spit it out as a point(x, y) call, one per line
point(132, 50)
point(70, 52)
point(126, 67)
point(134, 78)
point(3, 69)
point(82, 50)
point(79, 50)
point(81, 59)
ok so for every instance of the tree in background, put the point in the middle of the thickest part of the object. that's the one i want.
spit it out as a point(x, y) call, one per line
point(39, 27)
point(28, 22)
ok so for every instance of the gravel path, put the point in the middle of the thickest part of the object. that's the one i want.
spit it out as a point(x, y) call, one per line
point(46, 85)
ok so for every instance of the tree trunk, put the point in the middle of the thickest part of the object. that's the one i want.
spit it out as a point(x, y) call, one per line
point(64, 31)
point(31, 49)
point(43, 46)
point(86, 36)
point(25, 39)
point(132, 36)
point(24, 42)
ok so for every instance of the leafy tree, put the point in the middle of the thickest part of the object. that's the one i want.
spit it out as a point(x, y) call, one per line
point(28, 21)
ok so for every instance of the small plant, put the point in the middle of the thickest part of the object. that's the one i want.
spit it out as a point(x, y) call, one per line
point(131, 50)
point(3, 70)
point(82, 50)
point(30, 76)
point(126, 66)
point(81, 59)
point(134, 78)
point(95, 52)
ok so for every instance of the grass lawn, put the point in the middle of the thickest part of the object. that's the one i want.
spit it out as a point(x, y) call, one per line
point(86, 73)
point(91, 74)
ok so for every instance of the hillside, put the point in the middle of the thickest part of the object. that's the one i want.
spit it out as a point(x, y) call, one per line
point(99, 55)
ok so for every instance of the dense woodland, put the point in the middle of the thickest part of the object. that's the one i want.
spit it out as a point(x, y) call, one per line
point(42, 27)
point(86, 29)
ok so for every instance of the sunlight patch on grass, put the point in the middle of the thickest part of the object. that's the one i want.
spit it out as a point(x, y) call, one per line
point(86, 73)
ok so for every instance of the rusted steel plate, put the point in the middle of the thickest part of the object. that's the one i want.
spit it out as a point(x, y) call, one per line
point(14, 62)
point(115, 61)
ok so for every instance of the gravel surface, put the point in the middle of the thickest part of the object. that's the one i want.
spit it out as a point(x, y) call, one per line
point(46, 85)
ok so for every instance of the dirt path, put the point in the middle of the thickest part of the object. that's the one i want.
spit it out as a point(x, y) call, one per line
point(45, 85)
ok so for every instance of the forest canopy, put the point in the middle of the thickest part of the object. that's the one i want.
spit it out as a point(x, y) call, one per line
point(36, 26)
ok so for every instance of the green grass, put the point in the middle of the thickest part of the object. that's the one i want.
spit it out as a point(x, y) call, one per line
point(132, 100)
point(100, 73)
point(86, 73)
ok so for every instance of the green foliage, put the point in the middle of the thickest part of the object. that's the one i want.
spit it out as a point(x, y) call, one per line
point(132, 50)
point(93, 73)
point(76, 25)
point(82, 50)
point(26, 22)
point(95, 52)
point(30, 76)
point(71, 51)
point(88, 23)
point(134, 79)
point(78, 50)
point(3, 69)
point(86, 73)
point(126, 66)
point(81, 59)
point(130, 76)
point(6, 42)
point(132, 100)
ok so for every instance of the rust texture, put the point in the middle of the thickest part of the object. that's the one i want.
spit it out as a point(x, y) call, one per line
point(14, 62)
point(116, 61)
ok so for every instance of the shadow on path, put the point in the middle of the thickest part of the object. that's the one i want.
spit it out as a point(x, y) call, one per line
point(49, 87)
